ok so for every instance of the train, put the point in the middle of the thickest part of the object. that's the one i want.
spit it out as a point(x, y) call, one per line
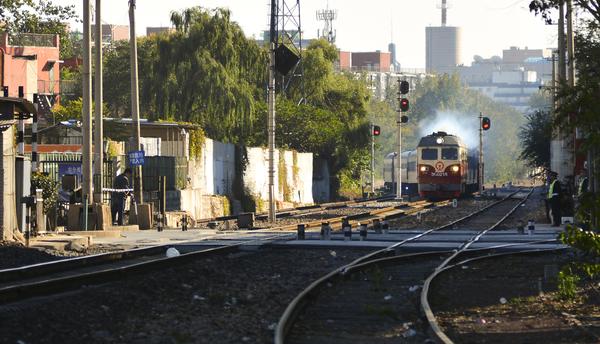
point(441, 167)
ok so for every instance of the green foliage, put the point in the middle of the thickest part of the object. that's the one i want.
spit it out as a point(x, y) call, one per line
point(586, 241)
point(567, 285)
point(50, 190)
point(535, 137)
point(73, 110)
point(38, 16)
point(239, 191)
point(197, 140)
point(284, 188)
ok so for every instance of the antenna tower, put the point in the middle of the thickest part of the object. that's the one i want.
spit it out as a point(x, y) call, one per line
point(444, 7)
point(327, 16)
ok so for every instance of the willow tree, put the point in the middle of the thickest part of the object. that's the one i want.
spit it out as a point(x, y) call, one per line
point(207, 72)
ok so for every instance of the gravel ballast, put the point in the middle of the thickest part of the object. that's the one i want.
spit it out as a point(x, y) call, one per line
point(231, 299)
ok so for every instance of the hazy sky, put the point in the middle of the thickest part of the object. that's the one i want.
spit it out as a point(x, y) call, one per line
point(488, 25)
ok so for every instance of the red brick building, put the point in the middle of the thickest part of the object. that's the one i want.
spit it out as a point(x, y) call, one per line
point(375, 61)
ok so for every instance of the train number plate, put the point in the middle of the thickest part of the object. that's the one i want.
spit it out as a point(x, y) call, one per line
point(439, 174)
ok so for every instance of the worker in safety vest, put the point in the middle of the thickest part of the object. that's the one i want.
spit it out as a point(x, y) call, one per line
point(582, 185)
point(554, 195)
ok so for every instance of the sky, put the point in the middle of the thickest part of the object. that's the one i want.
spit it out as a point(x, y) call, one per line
point(488, 26)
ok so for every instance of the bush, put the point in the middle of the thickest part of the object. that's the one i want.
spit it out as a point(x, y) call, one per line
point(43, 181)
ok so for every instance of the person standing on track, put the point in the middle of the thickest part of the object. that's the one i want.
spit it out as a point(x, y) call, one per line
point(554, 196)
point(117, 198)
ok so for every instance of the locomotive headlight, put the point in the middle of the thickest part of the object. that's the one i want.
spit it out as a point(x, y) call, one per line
point(439, 140)
point(455, 168)
point(423, 168)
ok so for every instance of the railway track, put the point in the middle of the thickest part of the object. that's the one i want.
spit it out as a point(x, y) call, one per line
point(56, 276)
point(376, 298)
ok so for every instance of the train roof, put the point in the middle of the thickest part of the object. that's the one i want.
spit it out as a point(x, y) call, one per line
point(448, 140)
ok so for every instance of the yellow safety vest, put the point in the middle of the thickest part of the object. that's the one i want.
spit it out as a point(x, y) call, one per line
point(580, 189)
point(551, 189)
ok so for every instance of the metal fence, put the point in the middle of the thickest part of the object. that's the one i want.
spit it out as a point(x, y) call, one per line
point(31, 40)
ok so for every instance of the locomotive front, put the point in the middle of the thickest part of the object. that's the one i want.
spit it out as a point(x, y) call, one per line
point(442, 166)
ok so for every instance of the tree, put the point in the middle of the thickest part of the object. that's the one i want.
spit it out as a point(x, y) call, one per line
point(535, 138)
point(37, 16)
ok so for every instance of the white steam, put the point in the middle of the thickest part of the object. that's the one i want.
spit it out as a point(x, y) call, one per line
point(454, 123)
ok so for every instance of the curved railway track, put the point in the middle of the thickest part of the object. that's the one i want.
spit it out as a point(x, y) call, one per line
point(375, 298)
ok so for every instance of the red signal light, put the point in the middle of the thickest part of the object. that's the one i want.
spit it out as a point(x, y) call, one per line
point(376, 130)
point(485, 123)
point(403, 104)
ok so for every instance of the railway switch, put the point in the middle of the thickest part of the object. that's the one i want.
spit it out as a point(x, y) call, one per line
point(325, 231)
point(301, 231)
point(347, 229)
point(530, 227)
point(363, 231)
point(377, 226)
point(385, 226)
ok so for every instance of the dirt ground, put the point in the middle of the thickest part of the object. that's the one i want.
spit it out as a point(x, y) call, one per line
point(515, 300)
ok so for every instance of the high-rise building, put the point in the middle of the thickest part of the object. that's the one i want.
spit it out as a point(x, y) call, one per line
point(443, 46)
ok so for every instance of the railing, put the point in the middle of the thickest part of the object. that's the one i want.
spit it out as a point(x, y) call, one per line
point(65, 87)
point(32, 40)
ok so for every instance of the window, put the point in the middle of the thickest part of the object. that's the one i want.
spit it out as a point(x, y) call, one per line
point(429, 154)
point(449, 154)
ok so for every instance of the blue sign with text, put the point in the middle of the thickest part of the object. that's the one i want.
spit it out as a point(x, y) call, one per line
point(136, 158)
point(69, 168)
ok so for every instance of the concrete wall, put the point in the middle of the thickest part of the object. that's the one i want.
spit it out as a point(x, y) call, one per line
point(320, 187)
point(298, 176)
point(218, 160)
point(8, 211)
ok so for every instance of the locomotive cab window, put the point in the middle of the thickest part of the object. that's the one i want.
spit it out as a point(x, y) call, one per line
point(449, 154)
point(429, 154)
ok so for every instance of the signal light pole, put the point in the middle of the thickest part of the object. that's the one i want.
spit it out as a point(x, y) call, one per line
point(403, 88)
point(480, 166)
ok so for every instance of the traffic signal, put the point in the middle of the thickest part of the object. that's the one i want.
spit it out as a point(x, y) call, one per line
point(404, 119)
point(376, 130)
point(403, 104)
point(485, 123)
point(404, 87)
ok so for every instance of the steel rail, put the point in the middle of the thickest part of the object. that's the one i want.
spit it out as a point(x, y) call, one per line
point(439, 335)
point(49, 285)
point(46, 268)
point(293, 308)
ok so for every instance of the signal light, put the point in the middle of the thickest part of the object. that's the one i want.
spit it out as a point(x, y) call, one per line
point(403, 119)
point(485, 123)
point(404, 87)
point(376, 130)
point(403, 104)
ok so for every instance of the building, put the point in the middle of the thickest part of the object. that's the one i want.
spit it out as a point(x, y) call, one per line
point(112, 33)
point(31, 61)
point(511, 79)
point(443, 48)
point(158, 29)
point(375, 61)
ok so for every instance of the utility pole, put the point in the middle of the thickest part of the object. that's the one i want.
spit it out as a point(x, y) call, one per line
point(87, 109)
point(372, 159)
point(99, 135)
point(271, 133)
point(399, 148)
point(570, 44)
point(480, 166)
point(135, 106)
point(271, 108)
